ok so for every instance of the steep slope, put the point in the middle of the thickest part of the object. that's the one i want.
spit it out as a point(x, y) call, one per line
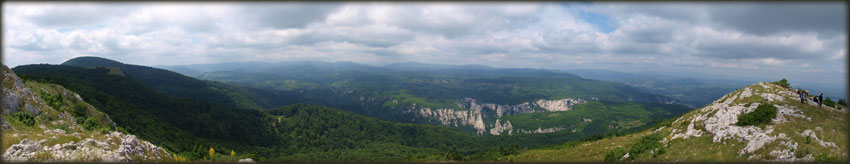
point(46, 122)
point(175, 84)
point(726, 130)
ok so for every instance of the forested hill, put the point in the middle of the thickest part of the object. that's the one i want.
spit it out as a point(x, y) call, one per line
point(179, 85)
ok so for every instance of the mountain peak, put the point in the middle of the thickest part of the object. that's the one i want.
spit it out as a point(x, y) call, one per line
point(91, 61)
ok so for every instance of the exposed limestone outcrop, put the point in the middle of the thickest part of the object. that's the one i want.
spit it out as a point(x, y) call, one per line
point(558, 105)
point(478, 112)
point(718, 121)
point(117, 147)
point(541, 130)
point(499, 128)
point(456, 117)
point(500, 109)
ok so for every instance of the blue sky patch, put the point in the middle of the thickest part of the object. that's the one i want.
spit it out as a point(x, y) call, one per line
point(603, 22)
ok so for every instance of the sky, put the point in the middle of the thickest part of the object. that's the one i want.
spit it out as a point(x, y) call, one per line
point(804, 42)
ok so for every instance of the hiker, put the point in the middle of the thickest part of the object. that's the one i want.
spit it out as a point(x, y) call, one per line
point(805, 95)
point(800, 94)
point(820, 99)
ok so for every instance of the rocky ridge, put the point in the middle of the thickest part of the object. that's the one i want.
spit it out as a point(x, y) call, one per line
point(718, 119)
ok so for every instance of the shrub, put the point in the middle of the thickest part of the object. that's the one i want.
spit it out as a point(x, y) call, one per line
point(842, 102)
point(24, 117)
point(762, 115)
point(783, 83)
point(90, 123)
point(823, 157)
point(645, 144)
point(828, 102)
point(615, 155)
point(54, 101)
point(808, 139)
point(80, 110)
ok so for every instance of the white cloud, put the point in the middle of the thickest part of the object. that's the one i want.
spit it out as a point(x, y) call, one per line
point(661, 36)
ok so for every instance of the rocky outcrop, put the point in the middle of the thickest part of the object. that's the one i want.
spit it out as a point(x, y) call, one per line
point(453, 117)
point(15, 93)
point(246, 160)
point(499, 128)
point(718, 120)
point(540, 130)
point(558, 105)
point(499, 109)
point(477, 113)
point(117, 147)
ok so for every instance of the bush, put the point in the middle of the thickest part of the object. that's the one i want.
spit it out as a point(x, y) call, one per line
point(615, 155)
point(80, 110)
point(783, 83)
point(54, 101)
point(842, 102)
point(762, 115)
point(828, 102)
point(24, 117)
point(645, 144)
point(90, 123)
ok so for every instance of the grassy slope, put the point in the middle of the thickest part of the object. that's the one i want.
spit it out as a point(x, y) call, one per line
point(703, 149)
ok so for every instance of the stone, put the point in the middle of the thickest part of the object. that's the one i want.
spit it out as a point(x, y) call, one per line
point(246, 160)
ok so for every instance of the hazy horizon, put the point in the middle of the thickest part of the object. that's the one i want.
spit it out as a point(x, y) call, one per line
point(803, 42)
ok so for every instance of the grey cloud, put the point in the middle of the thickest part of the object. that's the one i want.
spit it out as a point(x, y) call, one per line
point(78, 15)
point(772, 18)
point(737, 50)
point(288, 15)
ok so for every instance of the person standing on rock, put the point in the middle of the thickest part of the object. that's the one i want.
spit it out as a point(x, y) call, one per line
point(820, 99)
point(800, 94)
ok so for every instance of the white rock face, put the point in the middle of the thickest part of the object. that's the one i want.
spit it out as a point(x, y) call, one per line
point(499, 128)
point(475, 115)
point(558, 105)
point(501, 110)
point(539, 130)
point(456, 117)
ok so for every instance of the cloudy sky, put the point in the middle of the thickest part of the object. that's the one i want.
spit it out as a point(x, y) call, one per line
point(801, 41)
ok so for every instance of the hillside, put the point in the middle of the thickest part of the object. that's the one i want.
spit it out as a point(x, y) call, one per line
point(179, 85)
point(762, 122)
point(46, 122)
